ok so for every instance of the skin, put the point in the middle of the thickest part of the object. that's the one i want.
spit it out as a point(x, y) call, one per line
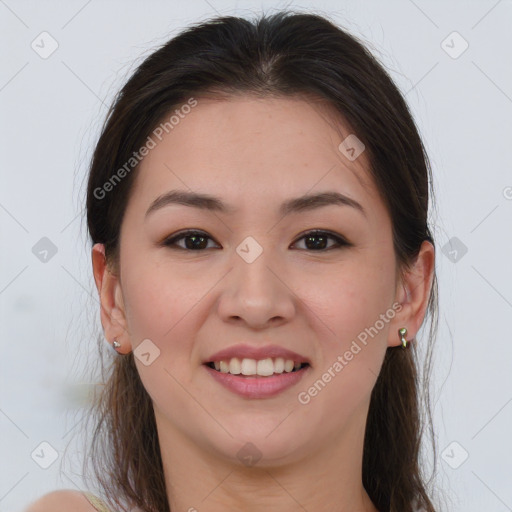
point(254, 154)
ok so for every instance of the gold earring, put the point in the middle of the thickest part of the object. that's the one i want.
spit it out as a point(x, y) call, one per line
point(401, 334)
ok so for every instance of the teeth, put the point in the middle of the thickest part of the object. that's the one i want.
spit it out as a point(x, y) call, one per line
point(235, 366)
point(249, 367)
point(263, 367)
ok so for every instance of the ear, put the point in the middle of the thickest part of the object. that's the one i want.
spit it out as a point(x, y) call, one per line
point(412, 293)
point(113, 317)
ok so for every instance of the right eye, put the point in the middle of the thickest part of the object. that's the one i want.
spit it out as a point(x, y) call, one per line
point(194, 240)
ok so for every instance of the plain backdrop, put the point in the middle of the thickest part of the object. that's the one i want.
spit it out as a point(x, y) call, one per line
point(450, 59)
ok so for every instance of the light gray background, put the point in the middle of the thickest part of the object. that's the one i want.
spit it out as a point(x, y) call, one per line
point(51, 111)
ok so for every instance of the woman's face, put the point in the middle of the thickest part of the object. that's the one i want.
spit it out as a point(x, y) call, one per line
point(256, 280)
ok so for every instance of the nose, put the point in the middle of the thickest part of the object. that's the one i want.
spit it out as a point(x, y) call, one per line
point(256, 294)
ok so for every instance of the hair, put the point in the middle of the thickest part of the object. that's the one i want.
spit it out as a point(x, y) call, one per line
point(282, 55)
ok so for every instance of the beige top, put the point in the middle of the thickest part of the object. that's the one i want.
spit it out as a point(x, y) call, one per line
point(98, 504)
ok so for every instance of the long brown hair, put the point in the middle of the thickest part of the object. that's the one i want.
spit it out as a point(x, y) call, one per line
point(280, 55)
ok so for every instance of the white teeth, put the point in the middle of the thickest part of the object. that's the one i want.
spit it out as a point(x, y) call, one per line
point(262, 367)
point(235, 366)
point(265, 367)
point(248, 367)
point(288, 365)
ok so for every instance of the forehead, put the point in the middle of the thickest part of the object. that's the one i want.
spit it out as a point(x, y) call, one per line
point(253, 151)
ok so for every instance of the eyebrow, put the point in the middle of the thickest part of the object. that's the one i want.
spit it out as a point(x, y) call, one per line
point(307, 202)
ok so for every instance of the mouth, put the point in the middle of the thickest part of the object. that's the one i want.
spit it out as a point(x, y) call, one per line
point(246, 367)
point(257, 371)
point(253, 379)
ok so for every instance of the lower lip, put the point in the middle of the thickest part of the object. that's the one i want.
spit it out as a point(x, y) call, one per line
point(258, 387)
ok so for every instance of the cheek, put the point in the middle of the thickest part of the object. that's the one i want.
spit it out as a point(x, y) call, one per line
point(352, 298)
point(161, 309)
point(353, 345)
point(160, 306)
point(158, 294)
point(355, 309)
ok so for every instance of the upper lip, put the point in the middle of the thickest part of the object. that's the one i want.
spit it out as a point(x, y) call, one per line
point(247, 351)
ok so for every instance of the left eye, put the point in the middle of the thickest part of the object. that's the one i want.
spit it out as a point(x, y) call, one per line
point(197, 241)
point(322, 237)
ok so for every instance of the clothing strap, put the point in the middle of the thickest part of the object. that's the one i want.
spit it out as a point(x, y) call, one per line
point(96, 502)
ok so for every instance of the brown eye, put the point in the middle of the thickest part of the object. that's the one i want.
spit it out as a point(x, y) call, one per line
point(194, 241)
point(318, 240)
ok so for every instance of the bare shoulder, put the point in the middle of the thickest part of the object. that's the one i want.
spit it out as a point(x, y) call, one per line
point(62, 500)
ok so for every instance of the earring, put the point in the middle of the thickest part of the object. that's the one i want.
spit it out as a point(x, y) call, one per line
point(401, 334)
point(116, 344)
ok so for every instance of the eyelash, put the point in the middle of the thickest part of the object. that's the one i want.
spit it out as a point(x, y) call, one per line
point(340, 241)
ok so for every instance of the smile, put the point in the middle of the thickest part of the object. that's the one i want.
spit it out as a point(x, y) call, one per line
point(254, 379)
point(263, 367)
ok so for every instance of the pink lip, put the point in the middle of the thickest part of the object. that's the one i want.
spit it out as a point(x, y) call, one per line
point(257, 353)
point(257, 386)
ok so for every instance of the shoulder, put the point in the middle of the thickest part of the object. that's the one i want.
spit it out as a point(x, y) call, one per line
point(62, 500)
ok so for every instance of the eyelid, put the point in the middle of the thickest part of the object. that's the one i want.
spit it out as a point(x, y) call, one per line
point(317, 231)
point(340, 240)
point(168, 241)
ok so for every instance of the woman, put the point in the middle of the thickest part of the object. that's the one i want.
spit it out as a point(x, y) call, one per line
point(258, 205)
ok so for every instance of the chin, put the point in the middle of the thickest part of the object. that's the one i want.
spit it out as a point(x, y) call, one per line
point(261, 444)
